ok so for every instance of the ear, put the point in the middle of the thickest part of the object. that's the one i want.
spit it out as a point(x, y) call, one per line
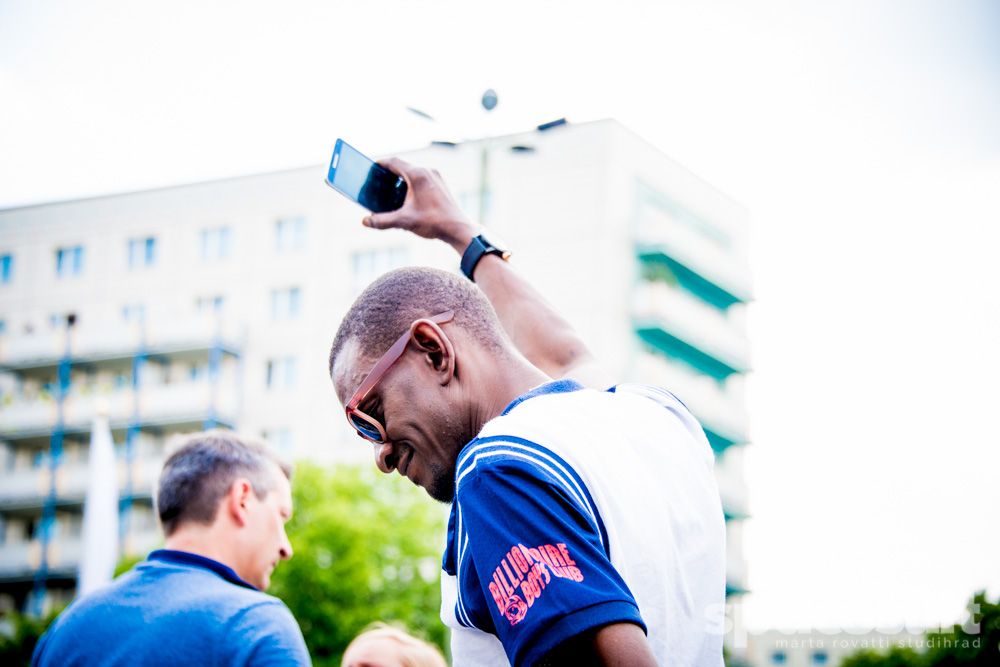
point(438, 351)
point(235, 502)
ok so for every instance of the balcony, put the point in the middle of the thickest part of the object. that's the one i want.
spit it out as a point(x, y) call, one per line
point(19, 487)
point(29, 487)
point(26, 414)
point(732, 488)
point(154, 403)
point(88, 344)
point(20, 559)
point(718, 296)
point(83, 404)
point(31, 349)
point(736, 565)
point(697, 253)
point(65, 553)
point(141, 543)
point(694, 333)
point(161, 403)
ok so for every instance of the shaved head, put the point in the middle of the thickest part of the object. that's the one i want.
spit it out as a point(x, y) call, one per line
point(387, 308)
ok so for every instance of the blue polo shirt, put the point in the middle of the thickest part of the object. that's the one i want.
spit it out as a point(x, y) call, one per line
point(175, 608)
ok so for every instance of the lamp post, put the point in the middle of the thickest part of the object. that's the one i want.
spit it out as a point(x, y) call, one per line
point(489, 102)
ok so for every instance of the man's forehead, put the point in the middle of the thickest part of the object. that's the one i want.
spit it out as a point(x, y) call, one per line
point(350, 370)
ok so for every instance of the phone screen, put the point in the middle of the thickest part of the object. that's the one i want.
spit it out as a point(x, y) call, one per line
point(359, 178)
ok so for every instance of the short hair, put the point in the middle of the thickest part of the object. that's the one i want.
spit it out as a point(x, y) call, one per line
point(387, 308)
point(201, 470)
point(413, 652)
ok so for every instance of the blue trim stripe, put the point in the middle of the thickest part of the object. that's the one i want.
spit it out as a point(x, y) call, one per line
point(646, 390)
point(461, 613)
point(557, 387)
point(483, 449)
point(520, 449)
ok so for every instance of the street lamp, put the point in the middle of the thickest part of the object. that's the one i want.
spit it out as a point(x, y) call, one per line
point(489, 100)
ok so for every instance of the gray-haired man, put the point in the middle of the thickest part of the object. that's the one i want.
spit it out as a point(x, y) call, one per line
point(223, 502)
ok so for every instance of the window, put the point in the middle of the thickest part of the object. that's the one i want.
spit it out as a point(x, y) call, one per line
point(141, 252)
point(286, 304)
point(281, 373)
point(778, 658)
point(215, 243)
point(371, 264)
point(819, 658)
point(6, 269)
point(290, 233)
point(134, 313)
point(210, 304)
point(69, 261)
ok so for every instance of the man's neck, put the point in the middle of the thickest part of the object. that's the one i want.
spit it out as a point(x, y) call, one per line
point(202, 541)
point(503, 385)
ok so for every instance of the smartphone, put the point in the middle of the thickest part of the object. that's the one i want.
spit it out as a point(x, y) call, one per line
point(360, 179)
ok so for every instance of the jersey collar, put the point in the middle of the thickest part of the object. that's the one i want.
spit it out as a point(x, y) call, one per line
point(556, 387)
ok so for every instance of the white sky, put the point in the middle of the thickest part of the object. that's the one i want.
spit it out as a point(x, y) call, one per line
point(863, 135)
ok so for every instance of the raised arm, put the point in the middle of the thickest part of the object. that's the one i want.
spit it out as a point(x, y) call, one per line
point(541, 334)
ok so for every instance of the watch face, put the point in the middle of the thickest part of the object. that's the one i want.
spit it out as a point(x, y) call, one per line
point(494, 240)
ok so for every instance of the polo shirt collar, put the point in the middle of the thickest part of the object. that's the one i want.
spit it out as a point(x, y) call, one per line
point(188, 558)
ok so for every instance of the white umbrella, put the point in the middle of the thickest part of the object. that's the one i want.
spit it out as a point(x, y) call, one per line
point(100, 511)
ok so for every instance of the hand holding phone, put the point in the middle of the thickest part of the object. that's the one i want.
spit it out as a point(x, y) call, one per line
point(363, 181)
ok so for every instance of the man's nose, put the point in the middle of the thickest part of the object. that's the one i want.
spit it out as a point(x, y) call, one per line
point(285, 550)
point(385, 457)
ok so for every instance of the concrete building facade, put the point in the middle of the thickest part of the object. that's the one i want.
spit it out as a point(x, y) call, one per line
point(215, 304)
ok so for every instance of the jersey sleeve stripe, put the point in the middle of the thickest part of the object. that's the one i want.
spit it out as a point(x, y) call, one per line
point(532, 453)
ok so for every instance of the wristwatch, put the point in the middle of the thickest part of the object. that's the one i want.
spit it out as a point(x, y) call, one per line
point(482, 245)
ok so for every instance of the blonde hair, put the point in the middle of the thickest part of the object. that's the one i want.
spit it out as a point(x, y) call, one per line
point(413, 652)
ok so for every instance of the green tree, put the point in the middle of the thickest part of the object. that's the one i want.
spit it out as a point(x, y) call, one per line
point(975, 643)
point(897, 656)
point(366, 548)
point(18, 635)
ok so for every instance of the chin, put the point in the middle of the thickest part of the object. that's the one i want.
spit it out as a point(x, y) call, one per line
point(443, 488)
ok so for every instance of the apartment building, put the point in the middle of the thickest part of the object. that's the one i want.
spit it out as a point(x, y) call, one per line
point(215, 303)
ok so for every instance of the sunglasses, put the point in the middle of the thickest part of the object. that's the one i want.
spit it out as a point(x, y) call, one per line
point(366, 426)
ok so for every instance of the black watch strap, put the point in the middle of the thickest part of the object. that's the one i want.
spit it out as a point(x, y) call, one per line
point(478, 248)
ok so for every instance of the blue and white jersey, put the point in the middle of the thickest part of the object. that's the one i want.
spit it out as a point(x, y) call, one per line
point(575, 509)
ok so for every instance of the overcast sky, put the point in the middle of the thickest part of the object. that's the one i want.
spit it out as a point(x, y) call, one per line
point(862, 135)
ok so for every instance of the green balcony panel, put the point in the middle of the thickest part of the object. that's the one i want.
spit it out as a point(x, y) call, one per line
point(676, 348)
point(719, 442)
point(735, 589)
point(691, 280)
point(733, 514)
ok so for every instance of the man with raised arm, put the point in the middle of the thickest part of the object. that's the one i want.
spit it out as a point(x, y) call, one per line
point(223, 502)
point(586, 526)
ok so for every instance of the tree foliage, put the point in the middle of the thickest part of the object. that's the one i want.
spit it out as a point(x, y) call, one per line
point(18, 635)
point(367, 548)
point(975, 643)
